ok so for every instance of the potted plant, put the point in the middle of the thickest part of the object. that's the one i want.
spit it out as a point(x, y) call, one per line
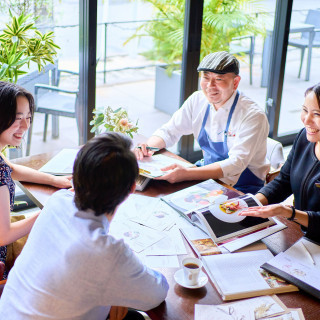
point(22, 43)
point(222, 22)
point(107, 119)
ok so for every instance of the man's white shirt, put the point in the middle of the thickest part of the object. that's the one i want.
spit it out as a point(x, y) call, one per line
point(247, 134)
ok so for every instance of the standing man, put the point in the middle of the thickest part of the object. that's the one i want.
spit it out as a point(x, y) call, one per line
point(230, 128)
point(70, 267)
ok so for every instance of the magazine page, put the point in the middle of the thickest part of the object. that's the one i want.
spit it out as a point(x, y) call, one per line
point(199, 196)
point(222, 221)
point(151, 166)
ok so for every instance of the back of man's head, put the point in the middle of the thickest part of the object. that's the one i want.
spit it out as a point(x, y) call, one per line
point(104, 172)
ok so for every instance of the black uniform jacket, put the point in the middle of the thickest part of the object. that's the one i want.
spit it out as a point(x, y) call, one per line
point(299, 175)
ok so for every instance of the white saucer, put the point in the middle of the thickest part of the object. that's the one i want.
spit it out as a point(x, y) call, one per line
point(179, 278)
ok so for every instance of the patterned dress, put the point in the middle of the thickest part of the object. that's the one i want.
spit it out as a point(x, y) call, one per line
point(5, 179)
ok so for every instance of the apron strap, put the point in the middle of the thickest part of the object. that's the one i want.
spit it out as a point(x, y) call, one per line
point(230, 116)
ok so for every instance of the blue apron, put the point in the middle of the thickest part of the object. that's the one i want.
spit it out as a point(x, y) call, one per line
point(218, 151)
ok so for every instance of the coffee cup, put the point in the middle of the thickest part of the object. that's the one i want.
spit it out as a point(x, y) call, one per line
point(191, 270)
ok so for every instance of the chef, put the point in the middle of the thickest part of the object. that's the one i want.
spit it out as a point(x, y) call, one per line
point(230, 128)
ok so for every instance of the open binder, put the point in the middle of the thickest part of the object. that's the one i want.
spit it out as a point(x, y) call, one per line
point(299, 265)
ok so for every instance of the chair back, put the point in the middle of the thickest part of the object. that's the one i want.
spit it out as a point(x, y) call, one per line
point(46, 76)
point(275, 153)
point(313, 17)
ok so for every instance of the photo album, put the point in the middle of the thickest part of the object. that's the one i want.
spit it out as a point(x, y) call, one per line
point(214, 209)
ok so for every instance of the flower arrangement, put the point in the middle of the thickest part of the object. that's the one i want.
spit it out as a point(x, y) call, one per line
point(117, 120)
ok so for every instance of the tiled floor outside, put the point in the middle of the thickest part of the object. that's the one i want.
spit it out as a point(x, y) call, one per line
point(136, 92)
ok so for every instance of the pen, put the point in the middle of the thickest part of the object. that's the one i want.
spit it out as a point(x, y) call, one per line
point(308, 254)
point(150, 148)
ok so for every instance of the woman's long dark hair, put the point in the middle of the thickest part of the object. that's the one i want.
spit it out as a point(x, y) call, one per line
point(9, 92)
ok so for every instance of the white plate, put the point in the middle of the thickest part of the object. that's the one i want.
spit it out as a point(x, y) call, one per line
point(179, 278)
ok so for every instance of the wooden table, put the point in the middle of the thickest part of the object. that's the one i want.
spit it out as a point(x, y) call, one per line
point(180, 302)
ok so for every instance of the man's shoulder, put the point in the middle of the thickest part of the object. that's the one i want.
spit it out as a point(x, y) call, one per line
point(250, 106)
point(61, 197)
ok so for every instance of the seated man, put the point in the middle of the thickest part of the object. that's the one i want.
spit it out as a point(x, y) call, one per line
point(230, 128)
point(70, 267)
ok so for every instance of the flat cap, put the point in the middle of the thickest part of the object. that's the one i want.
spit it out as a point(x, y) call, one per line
point(220, 62)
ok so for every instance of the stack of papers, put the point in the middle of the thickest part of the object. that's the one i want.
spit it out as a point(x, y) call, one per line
point(267, 308)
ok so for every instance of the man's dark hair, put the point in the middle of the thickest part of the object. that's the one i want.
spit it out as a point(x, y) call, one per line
point(9, 92)
point(316, 90)
point(104, 172)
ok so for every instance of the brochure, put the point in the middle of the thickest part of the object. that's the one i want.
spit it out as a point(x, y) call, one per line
point(199, 196)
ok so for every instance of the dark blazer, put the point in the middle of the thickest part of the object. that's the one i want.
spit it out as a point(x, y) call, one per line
point(299, 176)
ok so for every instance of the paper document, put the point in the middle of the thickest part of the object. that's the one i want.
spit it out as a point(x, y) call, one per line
point(62, 163)
point(171, 245)
point(151, 166)
point(160, 261)
point(255, 308)
point(135, 235)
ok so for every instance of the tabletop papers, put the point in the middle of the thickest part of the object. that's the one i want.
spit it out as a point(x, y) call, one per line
point(266, 307)
point(62, 163)
point(148, 226)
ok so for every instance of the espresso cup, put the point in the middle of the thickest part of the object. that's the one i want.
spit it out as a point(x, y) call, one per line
point(191, 270)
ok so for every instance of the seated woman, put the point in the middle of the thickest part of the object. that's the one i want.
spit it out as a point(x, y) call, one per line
point(299, 175)
point(16, 110)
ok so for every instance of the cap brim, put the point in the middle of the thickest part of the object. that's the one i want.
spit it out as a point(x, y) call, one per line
point(214, 71)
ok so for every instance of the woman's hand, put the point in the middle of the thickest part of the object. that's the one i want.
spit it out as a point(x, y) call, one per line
point(267, 211)
point(62, 182)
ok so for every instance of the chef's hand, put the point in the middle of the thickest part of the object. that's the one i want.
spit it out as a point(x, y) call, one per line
point(141, 151)
point(176, 173)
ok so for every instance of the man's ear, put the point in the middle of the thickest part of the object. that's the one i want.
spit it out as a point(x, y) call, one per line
point(133, 188)
point(236, 82)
